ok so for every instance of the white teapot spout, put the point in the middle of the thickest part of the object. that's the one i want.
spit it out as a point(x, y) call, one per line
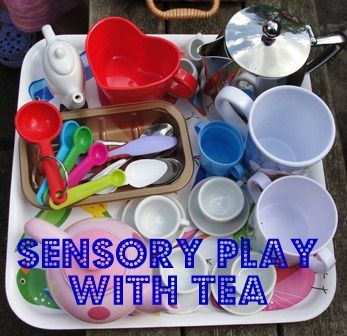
point(63, 70)
point(74, 100)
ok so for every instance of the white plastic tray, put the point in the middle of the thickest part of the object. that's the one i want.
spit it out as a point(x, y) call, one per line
point(21, 210)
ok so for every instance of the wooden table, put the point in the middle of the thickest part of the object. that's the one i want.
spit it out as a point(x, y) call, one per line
point(331, 322)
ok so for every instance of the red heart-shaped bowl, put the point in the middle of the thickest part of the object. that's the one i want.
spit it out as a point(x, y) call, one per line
point(130, 66)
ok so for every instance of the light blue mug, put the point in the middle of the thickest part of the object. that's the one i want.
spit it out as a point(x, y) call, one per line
point(287, 129)
point(221, 148)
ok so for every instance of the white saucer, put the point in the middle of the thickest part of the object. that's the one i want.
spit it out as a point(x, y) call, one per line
point(249, 309)
point(186, 303)
point(128, 216)
point(218, 229)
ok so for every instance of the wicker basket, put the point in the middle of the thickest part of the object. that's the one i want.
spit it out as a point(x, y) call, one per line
point(185, 13)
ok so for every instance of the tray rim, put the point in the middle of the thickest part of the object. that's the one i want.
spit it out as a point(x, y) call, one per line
point(292, 314)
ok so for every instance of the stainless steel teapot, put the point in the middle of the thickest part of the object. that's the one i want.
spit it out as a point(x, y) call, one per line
point(262, 47)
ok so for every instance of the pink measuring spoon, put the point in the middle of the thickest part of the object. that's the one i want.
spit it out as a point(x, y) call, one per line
point(97, 156)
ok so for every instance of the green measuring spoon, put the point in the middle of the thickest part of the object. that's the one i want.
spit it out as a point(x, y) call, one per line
point(82, 139)
point(117, 178)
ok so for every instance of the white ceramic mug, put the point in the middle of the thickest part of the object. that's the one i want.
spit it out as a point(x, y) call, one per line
point(288, 128)
point(158, 217)
point(221, 199)
point(293, 207)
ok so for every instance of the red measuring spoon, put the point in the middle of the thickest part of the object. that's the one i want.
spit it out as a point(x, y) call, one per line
point(39, 123)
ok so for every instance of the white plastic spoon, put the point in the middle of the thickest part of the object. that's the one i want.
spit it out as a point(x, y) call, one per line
point(139, 174)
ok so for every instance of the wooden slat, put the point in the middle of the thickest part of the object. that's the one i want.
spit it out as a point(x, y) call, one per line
point(137, 332)
point(134, 10)
point(247, 330)
point(213, 25)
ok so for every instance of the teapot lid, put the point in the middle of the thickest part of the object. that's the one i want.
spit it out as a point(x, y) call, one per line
point(267, 41)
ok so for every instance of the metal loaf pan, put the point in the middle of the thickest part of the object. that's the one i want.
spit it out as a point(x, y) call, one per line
point(123, 123)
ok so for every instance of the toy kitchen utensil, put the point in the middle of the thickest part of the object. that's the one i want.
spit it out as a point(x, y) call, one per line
point(130, 66)
point(263, 47)
point(141, 173)
point(82, 139)
point(65, 140)
point(117, 178)
point(156, 129)
point(138, 174)
point(63, 70)
point(39, 123)
point(57, 278)
point(97, 156)
point(145, 145)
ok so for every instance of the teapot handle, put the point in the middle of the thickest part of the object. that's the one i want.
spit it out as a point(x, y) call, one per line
point(39, 229)
point(337, 42)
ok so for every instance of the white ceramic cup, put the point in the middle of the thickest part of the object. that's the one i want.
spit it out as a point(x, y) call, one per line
point(192, 50)
point(267, 276)
point(184, 275)
point(289, 128)
point(158, 217)
point(220, 199)
point(293, 207)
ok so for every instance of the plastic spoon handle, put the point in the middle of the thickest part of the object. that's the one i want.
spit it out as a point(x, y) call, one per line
point(71, 158)
point(97, 155)
point(61, 154)
point(69, 163)
point(66, 142)
point(55, 180)
point(76, 194)
point(145, 145)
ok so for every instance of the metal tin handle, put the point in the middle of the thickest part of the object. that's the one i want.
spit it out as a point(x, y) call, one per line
point(336, 41)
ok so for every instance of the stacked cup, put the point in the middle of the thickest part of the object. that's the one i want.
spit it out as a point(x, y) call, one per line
point(286, 130)
point(218, 207)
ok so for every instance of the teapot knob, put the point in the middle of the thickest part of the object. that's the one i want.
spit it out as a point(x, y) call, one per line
point(271, 29)
point(59, 53)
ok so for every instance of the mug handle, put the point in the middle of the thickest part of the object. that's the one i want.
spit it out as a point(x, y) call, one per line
point(322, 261)
point(250, 79)
point(237, 171)
point(256, 184)
point(199, 126)
point(184, 222)
point(184, 84)
point(234, 106)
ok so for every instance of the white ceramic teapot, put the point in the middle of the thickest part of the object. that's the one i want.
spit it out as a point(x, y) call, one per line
point(63, 70)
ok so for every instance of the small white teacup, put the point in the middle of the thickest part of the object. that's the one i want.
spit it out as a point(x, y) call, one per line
point(158, 217)
point(221, 199)
point(267, 276)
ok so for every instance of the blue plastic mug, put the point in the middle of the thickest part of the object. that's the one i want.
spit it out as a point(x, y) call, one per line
point(221, 148)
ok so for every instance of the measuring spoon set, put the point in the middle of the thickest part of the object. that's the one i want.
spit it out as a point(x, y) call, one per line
point(40, 123)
